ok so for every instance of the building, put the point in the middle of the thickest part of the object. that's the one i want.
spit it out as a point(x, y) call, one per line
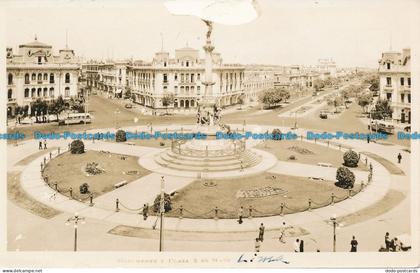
point(108, 77)
point(257, 78)
point(295, 77)
point(326, 68)
point(182, 76)
point(35, 72)
point(395, 83)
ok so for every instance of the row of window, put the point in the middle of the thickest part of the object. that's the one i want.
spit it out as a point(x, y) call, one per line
point(38, 77)
point(187, 78)
point(402, 81)
point(43, 92)
point(389, 97)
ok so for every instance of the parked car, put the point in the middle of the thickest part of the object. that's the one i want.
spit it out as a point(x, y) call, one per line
point(407, 128)
point(128, 105)
point(323, 114)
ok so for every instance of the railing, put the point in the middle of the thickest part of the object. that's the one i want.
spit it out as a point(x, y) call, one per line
point(176, 147)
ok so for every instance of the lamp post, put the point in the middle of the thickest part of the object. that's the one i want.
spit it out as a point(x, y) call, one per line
point(162, 211)
point(334, 222)
point(75, 219)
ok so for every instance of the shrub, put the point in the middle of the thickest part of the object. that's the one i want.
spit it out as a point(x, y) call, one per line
point(345, 178)
point(351, 159)
point(84, 188)
point(276, 134)
point(167, 203)
point(93, 168)
point(77, 147)
point(120, 136)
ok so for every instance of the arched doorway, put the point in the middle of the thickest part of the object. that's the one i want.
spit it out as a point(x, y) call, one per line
point(187, 104)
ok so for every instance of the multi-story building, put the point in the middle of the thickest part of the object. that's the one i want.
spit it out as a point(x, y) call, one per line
point(183, 76)
point(295, 77)
point(327, 68)
point(257, 78)
point(395, 83)
point(35, 72)
point(109, 77)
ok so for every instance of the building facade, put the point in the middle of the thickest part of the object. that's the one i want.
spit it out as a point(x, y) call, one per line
point(182, 77)
point(257, 79)
point(35, 72)
point(395, 83)
point(295, 77)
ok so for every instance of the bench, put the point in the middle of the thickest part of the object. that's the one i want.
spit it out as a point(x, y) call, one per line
point(323, 164)
point(120, 184)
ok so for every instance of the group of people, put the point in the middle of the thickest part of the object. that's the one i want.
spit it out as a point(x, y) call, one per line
point(40, 146)
point(392, 245)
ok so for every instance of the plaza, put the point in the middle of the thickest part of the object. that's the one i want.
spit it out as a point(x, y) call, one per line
point(194, 154)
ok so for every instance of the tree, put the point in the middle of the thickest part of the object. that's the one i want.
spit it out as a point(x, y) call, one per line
point(168, 100)
point(39, 107)
point(128, 94)
point(120, 136)
point(351, 159)
point(57, 106)
point(382, 110)
point(318, 84)
point(345, 178)
point(272, 97)
point(77, 147)
point(167, 203)
point(364, 100)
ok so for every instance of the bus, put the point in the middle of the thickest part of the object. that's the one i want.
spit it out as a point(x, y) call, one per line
point(75, 118)
point(381, 126)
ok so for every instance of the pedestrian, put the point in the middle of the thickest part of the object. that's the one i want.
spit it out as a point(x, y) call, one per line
point(145, 211)
point(368, 139)
point(387, 242)
point(242, 166)
point(353, 244)
point(370, 167)
point(283, 230)
point(297, 245)
point(40, 145)
point(240, 215)
point(399, 157)
point(257, 245)
point(261, 232)
point(301, 246)
point(45, 144)
point(396, 245)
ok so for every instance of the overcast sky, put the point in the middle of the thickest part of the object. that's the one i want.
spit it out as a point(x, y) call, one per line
point(353, 33)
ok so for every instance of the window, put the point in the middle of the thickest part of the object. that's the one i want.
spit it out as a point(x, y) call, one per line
point(52, 92)
point(187, 64)
point(67, 92)
point(388, 96)
point(388, 65)
point(198, 90)
point(402, 98)
point(33, 78)
point(409, 81)
point(182, 78)
point(192, 77)
point(9, 93)
point(165, 78)
point(52, 78)
point(176, 77)
point(388, 81)
point(38, 93)
point(402, 81)
point(409, 98)
point(39, 77)
point(198, 76)
point(165, 89)
point(26, 78)
point(164, 64)
point(33, 90)
point(182, 89)
point(67, 78)
point(10, 79)
point(27, 92)
point(39, 59)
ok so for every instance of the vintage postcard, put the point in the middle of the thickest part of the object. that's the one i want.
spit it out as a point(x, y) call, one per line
point(210, 133)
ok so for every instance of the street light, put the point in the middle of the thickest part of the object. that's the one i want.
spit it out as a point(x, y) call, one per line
point(75, 219)
point(334, 222)
point(162, 212)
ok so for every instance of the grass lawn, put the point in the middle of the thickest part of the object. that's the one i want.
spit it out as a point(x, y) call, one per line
point(199, 200)
point(68, 171)
point(306, 153)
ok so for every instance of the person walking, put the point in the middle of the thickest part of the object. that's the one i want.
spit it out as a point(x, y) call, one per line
point(297, 245)
point(387, 242)
point(40, 145)
point(261, 232)
point(301, 246)
point(145, 211)
point(45, 144)
point(399, 158)
point(257, 245)
point(283, 230)
point(240, 215)
point(353, 244)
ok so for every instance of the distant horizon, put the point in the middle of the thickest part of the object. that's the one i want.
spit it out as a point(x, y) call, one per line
point(352, 33)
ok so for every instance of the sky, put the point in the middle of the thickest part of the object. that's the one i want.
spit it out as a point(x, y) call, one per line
point(352, 32)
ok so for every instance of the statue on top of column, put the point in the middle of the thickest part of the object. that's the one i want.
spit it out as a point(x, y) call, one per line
point(210, 28)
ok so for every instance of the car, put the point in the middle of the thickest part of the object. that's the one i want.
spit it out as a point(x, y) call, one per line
point(128, 105)
point(407, 128)
point(323, 114)
point(75, 118)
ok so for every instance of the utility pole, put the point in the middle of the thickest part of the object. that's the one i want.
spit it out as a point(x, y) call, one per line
point(75, 219)
point(162, 211)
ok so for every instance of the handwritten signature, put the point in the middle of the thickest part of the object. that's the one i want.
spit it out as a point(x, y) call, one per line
point(261, 259)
